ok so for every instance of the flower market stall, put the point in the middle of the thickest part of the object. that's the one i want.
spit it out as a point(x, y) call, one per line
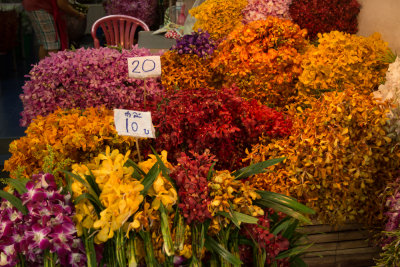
point(276, 141)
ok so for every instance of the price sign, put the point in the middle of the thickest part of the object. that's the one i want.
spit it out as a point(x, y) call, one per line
point(144, 67)
point(134, 123)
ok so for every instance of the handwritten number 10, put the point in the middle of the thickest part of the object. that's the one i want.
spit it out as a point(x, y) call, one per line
point(150, 66)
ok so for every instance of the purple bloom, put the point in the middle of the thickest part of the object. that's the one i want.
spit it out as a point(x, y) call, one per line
point(198, 43)
point(145, 10)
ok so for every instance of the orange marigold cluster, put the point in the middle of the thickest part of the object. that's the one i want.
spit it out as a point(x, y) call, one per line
point(69, 136)
point(263, 58)
point(338, 159)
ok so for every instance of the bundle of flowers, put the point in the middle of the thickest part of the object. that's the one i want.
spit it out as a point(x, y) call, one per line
point(261, 9)
point(145, 10)
point(325, 15)
point(221, 121)
point(343, 61)
point(263, 58)
point(339, 158)
point(41, 231)
point(218, 17)
point(132, 209)
point(86, 78)
point(187, 65)
point(68, 136)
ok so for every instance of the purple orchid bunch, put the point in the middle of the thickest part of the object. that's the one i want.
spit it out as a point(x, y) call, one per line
point(145, 10)
point(199, 43)
point(261, 9)
point(87, 78)
point(47, 226)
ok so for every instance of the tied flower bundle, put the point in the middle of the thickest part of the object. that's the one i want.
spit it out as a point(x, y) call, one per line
point(68, 136)
point(38, 229)
point(343, 61)
point(218, 17)
point(186, 65)
point(86, 78)
point(339, 158)
point(220, 121)
point(263, 59)
point(145, 10)
point(324, 16)
point(261, 9)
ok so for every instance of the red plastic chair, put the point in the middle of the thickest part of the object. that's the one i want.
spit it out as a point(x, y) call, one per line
point(118, 30)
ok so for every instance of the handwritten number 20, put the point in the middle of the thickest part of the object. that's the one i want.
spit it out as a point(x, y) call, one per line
point(150, 66)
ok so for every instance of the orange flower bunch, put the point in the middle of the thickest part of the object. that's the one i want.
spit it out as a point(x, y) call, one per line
point(186, 71)
point(263, 58)
point(218, 17)
point(343, 61)
point(338, 159)
point(73, 135)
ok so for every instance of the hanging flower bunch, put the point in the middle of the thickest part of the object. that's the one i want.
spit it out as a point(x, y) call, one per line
point(221, 121)
point(323, 16)
point(343, 61)
point(44, 231)
point(70, 136)
point(263, 58)
point(218, 17)
point(86, 78)
point(261, 9)
point(145, 10)
point(186, 66)
point(338, 158)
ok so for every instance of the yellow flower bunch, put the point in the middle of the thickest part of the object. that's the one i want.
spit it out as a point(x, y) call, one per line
point(218, 17)
point(343, 61)
point(263, 59)
point(75, 135)
point(339, 158)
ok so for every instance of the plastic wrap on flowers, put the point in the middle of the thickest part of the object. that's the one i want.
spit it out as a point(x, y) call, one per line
point(320, 16)
point(145, 10)
point(261, 9)
point(86, 78)
point(343, 61)
point(263, 59)
point(339, 158)
point(221, 121)
point(66, 136)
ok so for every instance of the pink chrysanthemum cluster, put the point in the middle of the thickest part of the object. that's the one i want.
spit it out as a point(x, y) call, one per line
point(47, 225)
point(86, 78)
point(261, 9)
point(191, 178)
point(145, 10)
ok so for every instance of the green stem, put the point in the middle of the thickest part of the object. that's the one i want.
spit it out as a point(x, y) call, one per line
point(21, 262)
point(49, 259)
point(89, 247)
point(150, 258)
point(131, 251)
point(120, 248)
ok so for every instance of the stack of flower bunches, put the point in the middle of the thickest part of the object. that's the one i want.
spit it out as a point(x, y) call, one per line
point(339, 158)
point(220, 121)
point(261, 9)
point(263, 59)
point(47, 226)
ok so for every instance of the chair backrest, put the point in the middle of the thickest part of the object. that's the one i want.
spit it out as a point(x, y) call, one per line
point(118, 30)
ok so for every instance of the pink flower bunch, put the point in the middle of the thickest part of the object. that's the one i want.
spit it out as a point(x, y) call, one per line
point(48, 225)
point(86, 78)
point(261, 9)
point(145, 10)
point(191, 178)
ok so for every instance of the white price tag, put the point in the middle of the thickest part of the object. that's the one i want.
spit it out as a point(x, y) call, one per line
point(144, 67)
point(134, 123)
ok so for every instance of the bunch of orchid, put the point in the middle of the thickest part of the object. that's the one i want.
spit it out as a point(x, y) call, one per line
point(42, 227)
point(145, 10)
point(261, 9)
point(198, 43)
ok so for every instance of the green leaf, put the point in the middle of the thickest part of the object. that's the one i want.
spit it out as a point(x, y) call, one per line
point(91, 179)
point(292, 252)
point(16, 202)
point(166, 232)
point(212, 245)
point(281, 226)
point(96, 202)
point(78, 178)
point(244, 218)
point(210, 171)
point(284, 209)
point(230, 217)
point(288, 233)
point(139, 173)
point(255, 168)
point(297, 262)
point(19, 184)
point(286, 201)
point(150, 178)
point(164, 169)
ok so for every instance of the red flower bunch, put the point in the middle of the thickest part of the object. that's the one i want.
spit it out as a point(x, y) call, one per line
point(325, 15)
point(221, 121)
point(191, 178)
